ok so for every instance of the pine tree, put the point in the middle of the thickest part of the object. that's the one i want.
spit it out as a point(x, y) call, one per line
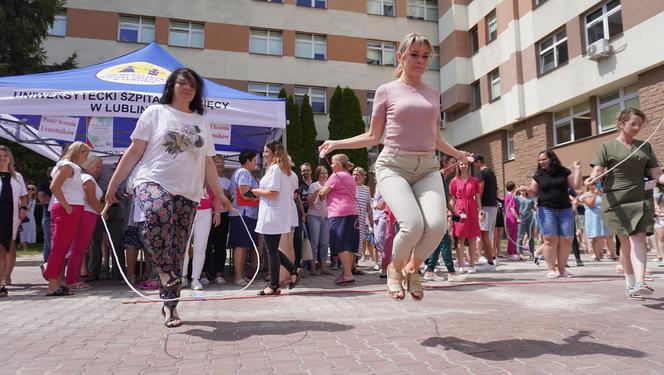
point(354, 125)
point(336, 113)
point(23, 27)
point(309, 146)
point(293, 131)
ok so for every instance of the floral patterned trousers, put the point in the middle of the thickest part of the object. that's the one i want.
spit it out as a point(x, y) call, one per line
point(168, 222)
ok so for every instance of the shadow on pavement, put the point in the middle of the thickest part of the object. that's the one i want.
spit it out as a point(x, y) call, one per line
point(505, 350)
point(234, 331)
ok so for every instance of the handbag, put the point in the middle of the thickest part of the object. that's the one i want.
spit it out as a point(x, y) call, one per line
point(241, 200)
point(307, 252)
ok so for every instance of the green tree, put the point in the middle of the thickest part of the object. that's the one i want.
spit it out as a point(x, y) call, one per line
point(336, 114)
point(354, 125)
point(309, 146)
point(24, 25)
point(293, 131)
point(28, 163)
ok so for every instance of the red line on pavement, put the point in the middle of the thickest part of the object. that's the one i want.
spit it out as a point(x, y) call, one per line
point(373, 291)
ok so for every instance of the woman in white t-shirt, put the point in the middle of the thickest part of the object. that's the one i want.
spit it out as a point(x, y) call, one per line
point(66, 208)
point(86, 226)
point(275, 212)
point(170, 158)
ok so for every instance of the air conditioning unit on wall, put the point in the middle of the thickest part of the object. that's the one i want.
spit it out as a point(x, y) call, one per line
point(599, 49)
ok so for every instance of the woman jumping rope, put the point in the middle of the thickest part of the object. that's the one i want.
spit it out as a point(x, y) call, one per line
point(407, 112)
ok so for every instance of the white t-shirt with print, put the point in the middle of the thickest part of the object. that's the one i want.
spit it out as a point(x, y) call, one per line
point(274, 215)
point(178, 143)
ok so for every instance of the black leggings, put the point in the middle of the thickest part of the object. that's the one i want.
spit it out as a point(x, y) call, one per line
point(276, 259)
point(215, 255)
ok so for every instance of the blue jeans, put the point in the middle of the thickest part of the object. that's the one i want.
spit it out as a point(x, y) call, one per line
point(526, 226)
point(556, 222)
point(46, 227)
point(444, 248)
point(319, 235)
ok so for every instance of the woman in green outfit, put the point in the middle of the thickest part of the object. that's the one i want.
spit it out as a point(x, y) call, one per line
point(627, 206)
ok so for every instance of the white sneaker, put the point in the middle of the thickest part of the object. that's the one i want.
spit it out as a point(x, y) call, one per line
point(185, 281)
point(488, 268)
point(513, 258)
point(205, 281)
point(460, 270)
point(376, 267)
point(472, 269)
point(428, 276)
point(219, 280)
point(482, 260)
point(196, 284)
point(456, 278)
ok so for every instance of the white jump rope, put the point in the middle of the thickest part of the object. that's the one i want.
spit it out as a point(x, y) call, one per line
point(115, 255)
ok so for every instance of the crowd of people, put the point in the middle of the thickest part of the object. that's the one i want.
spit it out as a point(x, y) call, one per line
point(169, 193)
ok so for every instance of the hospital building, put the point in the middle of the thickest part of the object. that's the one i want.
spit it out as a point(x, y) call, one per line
point(515, 76)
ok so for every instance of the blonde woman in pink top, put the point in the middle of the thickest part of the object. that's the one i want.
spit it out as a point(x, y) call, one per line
point(406, 112)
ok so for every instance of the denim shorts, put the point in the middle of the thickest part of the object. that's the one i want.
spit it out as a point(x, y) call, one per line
point(557, 222)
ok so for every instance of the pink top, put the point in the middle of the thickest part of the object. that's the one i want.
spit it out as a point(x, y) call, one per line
point(412, 115)
point(341, 199)
point(207, 200)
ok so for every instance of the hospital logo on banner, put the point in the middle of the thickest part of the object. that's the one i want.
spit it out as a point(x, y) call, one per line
point(135, 73)
point(221, 134)
point(61, 128)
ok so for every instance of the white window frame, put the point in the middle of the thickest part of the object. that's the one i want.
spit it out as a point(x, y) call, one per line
point(554, 45)
point(312, 4)
point(622, 98)
point(434, 59)
point(383, 47)
point(190, 31)
point(310, 93)
point(382, 4)
point(475, 101)
point(141, 25)
point(489, 22)
point(511, 155)
point(264, 89)
point(312, 40)
point(569, 119)
point(603, 18)
point(423, 6)
point(59, 17)
point(493, 82)
point(271, 36)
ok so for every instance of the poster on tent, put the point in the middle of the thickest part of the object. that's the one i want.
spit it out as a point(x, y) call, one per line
point(221, 133)
point(58, 127)
point(100, 133)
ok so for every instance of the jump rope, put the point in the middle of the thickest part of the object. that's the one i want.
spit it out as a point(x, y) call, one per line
point(322, 156)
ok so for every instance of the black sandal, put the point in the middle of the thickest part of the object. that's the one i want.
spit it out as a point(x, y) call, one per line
point(173, 281)
point(298, 276)
point(171, 319)
point(60, 292)
point(168, 293)
point(3, 292)
point(273, 291)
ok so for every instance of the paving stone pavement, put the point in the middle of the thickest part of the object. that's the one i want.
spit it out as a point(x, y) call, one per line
point(513, 321)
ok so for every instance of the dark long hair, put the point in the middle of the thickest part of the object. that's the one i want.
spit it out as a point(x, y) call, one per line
point(554, 163)
point(196, 103)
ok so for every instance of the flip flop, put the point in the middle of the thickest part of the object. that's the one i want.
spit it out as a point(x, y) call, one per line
point(60, 292)
point(341, 281)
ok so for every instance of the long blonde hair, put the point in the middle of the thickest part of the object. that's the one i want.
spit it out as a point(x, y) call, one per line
point(280, 156)
point(74, 151)
point(405, 44)
point(11, 159)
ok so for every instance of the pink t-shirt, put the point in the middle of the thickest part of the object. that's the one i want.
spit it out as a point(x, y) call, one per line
point(412, 115)
point(341, 199)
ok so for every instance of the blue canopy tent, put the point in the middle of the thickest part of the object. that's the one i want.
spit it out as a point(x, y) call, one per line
point(100, 105)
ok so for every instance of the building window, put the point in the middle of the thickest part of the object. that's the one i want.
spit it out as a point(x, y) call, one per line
point(475, 96)
point(604, 22)
point(312, 3)
point(136, 29)
point(572, 124)
point(491, 27)
point(265, 89)
point(59, 27)
point(423, 10)
point(510, 144)
point(273, 1)
point(612, 103)
point(317, 97)
point(553, 51)
point(380, 53)
point(310, 46)
point(370, 101)
point(186, 34)
point(434, 60)
point(494, 85)
point(267, 42)
point(381, 7)
point(474, 40)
